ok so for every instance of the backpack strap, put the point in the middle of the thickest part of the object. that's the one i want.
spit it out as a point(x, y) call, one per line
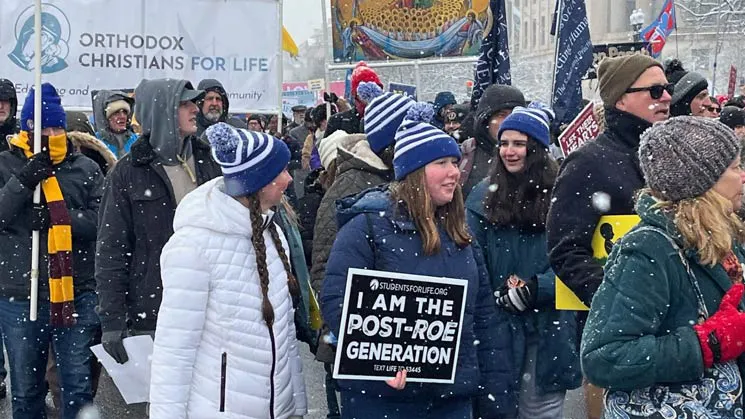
point(468, 150)
point(703, 312)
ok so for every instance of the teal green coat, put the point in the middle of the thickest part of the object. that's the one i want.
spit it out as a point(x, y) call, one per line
point(640, 328)
point(507, 251)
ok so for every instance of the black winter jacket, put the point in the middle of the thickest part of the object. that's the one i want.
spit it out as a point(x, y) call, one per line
point(609, 165)
point(308, 210)
point(81, 183)
point(136, 221)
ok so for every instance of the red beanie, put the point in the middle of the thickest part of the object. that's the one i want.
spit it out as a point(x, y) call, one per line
point(364, 73)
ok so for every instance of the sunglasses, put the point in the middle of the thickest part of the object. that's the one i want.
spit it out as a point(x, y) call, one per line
point(715, 109)
point(655, 91)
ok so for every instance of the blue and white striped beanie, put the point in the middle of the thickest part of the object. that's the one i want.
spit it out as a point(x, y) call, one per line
point(531, 122)
point(383, 115)
point(418, 143)
point(249, 160)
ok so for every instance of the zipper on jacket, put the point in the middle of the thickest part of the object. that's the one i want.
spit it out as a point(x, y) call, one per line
point(271, 376)
point(223, 377)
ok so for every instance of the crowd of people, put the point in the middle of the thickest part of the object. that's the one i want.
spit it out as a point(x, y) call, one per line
point(171, 218)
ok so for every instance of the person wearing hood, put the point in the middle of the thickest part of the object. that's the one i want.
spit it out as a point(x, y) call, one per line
point(112, 116)
point(225, 337)
point(496, 104)
point(417, 225)
point(691, 97)
point(8, 109)
point(214, 107)
point(142, 192)
point(71, 186)
point(351, 121)
point(444, 102)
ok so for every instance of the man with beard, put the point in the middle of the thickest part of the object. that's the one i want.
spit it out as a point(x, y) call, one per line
point(8, 122)
point(112, 116)
point(215, 107)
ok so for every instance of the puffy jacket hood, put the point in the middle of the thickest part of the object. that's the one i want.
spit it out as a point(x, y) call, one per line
point(496, 98)
point(209, 207)
point(157, 113)
point(374, 200)
point(8, 92)
point(354, 152)
point(212, 85)
point(93, 148)
point(101, 100)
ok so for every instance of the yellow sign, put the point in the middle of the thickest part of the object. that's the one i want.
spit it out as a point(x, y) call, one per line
point(317, 85)
point(609, 230)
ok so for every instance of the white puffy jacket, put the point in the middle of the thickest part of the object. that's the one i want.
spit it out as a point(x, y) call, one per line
point(211, 342)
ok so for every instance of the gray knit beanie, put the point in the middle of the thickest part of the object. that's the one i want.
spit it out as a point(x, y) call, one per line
point(685, 156)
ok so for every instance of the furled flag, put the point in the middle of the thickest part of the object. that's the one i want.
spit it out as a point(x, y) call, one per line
point(493, 66)
point(573, 59)
point(656, 33)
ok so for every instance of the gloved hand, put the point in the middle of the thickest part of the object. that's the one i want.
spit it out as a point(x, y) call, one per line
point(40, 218)
point(722, 336)
point(112, 344)
point(332, 97)
point(38, 168)
point(519, 299)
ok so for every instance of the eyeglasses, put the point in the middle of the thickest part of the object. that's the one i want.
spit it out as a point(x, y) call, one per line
point(713, 109)
point(655, 91)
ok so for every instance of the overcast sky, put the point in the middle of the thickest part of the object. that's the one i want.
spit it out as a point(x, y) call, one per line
point(301, 17)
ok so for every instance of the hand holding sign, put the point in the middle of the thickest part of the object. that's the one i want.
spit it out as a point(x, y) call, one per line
point(399, 381)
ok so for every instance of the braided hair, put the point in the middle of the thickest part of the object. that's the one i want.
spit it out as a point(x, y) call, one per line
point(257, 239)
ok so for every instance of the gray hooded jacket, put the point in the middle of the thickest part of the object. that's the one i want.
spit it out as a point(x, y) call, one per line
point(157, 114)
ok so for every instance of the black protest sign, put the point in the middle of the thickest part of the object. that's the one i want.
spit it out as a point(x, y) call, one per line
point(603, 51)
point(392, 321)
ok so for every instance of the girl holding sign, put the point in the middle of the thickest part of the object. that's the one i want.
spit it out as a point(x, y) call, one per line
point(417, 225)
point(225, 339)
point(507, 214)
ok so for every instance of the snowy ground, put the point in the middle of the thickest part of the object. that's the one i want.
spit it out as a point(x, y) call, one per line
point(111, 405)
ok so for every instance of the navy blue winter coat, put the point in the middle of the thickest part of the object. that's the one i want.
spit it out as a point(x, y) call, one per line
point(398, 248)
point(507, 251)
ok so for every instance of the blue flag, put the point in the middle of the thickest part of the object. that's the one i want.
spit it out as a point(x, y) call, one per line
point(493, 66)
point(573, 59)
point(657, 32)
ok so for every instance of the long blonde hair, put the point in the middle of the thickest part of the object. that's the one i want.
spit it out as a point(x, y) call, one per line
point(412, 191)
point(707, 223)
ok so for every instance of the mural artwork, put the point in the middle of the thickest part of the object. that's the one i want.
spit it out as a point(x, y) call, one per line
point(408, 29)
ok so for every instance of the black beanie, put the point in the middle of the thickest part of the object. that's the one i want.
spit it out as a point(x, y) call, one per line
point(732, 116)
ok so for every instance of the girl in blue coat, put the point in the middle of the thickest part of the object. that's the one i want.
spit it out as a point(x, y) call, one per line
point(417, 225)
point(507, 213)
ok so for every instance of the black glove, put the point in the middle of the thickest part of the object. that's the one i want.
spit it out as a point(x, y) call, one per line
point(520, 299)
point(112, 344)
point(40, 218)
point(38, 168)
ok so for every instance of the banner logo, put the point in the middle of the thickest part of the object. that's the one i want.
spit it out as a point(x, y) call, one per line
point(55, 35)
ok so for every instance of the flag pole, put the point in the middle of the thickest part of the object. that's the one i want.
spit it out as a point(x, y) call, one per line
point(716, 50)
point(35, 235)
point(559, 9)
point(675, 22)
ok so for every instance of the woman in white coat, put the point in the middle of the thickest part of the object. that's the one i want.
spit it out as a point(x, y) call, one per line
point(225, 339)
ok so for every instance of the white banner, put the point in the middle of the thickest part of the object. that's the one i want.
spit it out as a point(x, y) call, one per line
point(112, 44)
